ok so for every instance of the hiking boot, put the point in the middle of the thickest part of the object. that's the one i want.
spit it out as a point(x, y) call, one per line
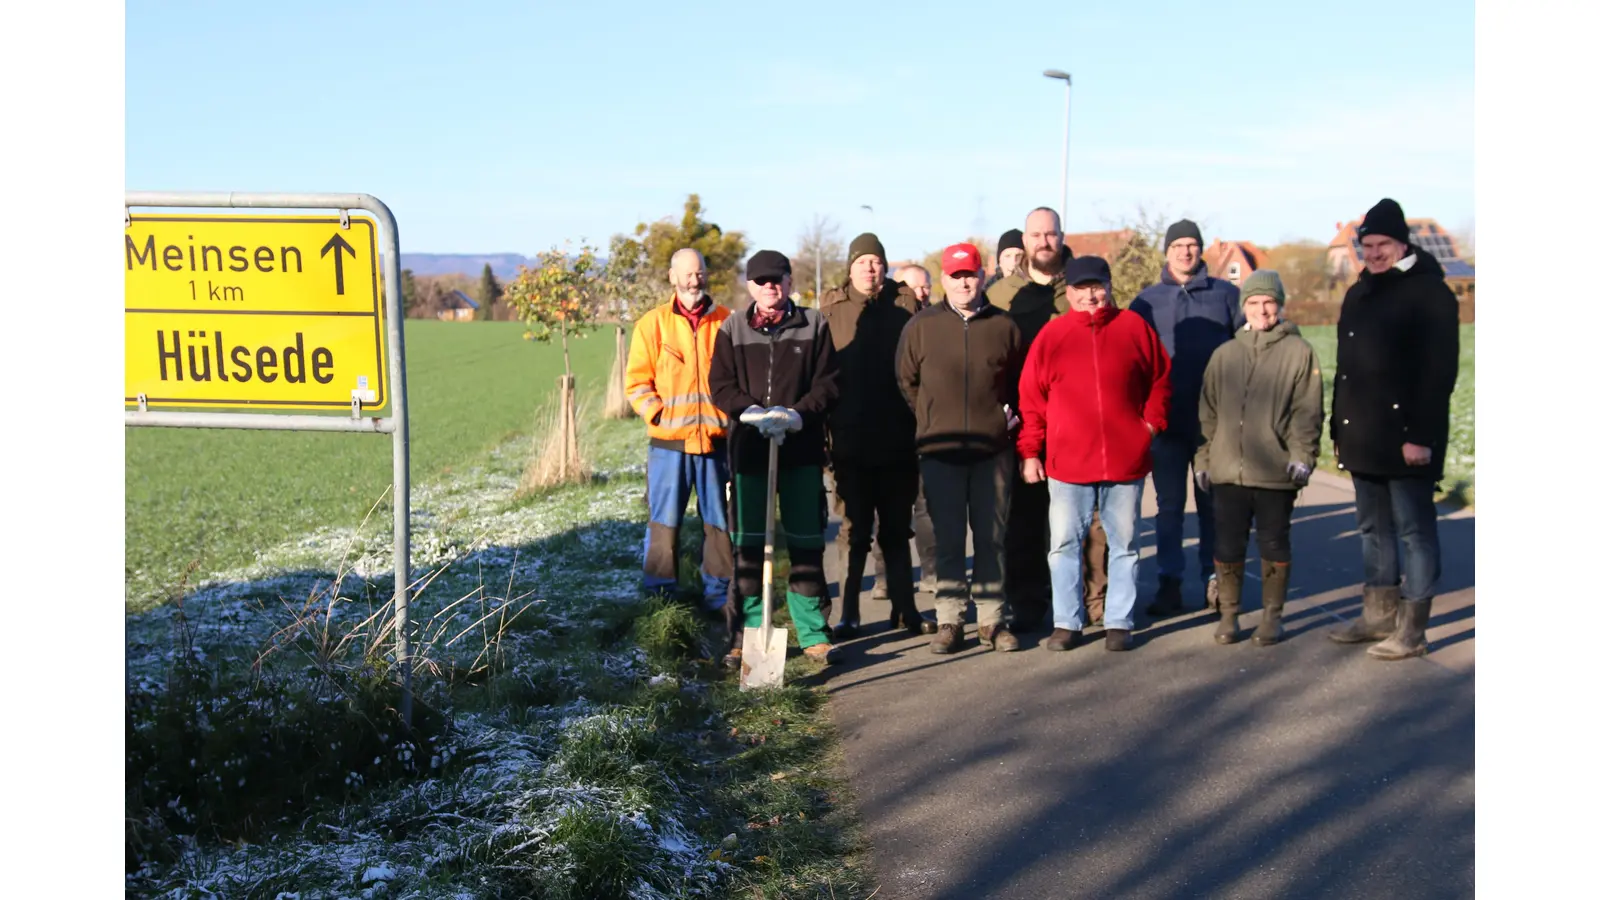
point(949, 639)
point(1230, 583)
point(1062, 639)
point(1169, 598)
point(1378, 608)
point(1274, 592)
point(827, 654)
point(1118, 639)
point(1411, 633)
point(996, 637)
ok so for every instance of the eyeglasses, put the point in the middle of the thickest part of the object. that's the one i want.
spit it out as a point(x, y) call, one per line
point(768, 280)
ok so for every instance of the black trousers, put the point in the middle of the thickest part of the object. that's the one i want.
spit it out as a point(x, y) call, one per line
point(1235, 506)
point(885, 495)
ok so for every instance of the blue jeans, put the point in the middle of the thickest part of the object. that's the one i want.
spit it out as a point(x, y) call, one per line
point(670, 476)
point(1172, 457)
point(1071, 508)
point(1398, 512)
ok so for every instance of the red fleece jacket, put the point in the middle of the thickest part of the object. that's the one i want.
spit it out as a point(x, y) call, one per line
point(1090, 385)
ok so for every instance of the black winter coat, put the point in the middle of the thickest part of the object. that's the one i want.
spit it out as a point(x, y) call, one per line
point(1399, 352)
point(791, 364)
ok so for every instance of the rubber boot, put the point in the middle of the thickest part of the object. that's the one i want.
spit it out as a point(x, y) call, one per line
point(733, 620)
point(1411, 633)
point(1378, 608)
point(1230, 584)
point(849, 624)
point(1274, 592)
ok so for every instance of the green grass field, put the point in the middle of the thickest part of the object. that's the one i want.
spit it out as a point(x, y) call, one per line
point(1460, 460)
point(218, 496)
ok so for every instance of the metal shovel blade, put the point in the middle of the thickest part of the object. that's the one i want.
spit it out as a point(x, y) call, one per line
point(763, 660)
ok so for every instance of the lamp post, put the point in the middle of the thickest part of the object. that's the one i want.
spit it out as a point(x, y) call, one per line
point(1066, 122)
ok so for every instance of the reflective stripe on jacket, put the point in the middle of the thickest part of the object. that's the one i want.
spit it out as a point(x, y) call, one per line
point(669, 367)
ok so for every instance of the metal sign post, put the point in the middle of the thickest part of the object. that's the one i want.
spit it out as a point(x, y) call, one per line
point(302, 312)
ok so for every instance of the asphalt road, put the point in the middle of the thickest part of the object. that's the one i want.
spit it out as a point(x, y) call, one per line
point(1182, 768)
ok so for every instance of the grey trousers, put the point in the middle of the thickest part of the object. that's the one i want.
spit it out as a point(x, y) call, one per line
point(976, 494)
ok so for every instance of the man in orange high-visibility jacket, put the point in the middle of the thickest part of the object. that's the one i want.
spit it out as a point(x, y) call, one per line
point(668, 366)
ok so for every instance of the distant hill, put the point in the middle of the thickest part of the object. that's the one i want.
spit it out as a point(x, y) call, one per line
point(504, 265)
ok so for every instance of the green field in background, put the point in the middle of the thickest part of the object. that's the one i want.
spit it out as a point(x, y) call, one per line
point(218, 496)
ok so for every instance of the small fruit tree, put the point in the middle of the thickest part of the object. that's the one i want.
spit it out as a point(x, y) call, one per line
point(554, 297)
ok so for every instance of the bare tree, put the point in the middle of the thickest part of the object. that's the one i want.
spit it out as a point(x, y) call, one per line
point(818, 241)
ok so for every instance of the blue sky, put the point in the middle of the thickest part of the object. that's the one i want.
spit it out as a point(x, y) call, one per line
point(495, 127)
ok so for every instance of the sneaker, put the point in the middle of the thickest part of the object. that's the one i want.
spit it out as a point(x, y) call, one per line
point(1062, 639)
point(996, 637)
point(949, 639)
point(827, 654)
point(1118, 639)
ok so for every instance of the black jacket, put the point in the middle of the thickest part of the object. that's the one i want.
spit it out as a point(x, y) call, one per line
point(871, 425)
point(1399, 351)
point(790, 364)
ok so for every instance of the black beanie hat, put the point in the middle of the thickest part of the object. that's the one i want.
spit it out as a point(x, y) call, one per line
point(1183, 228)
point(865, 243)
point(1387, 219)
point(1008, 241)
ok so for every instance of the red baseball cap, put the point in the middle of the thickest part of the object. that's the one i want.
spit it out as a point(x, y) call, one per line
point(960, 258)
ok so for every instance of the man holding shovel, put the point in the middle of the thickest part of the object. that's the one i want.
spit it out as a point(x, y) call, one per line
point(774, 374)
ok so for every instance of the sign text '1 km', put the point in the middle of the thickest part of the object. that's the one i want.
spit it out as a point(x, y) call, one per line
point(253, 313)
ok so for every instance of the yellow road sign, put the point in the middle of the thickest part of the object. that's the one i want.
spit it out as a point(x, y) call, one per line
point(253, 313)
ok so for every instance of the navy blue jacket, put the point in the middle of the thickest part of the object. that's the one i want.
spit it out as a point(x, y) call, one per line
point(1192, 320)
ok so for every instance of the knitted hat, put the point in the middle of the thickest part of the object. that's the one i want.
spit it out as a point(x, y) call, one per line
point(1386, 219)
point(1183, 228)
point(865, 243)
point(1262, 283)
point(1011, 240)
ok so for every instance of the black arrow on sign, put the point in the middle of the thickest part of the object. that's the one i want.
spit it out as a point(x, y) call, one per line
point(337, 243)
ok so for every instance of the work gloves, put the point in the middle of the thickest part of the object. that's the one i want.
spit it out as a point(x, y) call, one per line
point(774, 422)
point(1300, 473)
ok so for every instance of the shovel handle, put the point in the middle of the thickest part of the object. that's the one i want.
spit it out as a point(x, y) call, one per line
point(772, 534)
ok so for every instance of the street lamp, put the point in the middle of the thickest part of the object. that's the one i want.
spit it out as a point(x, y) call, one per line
point(1066, 121)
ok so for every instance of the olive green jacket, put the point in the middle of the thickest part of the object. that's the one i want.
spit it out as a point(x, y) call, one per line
point(1260, 409)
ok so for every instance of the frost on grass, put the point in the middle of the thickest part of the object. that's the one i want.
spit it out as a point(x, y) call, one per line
point(540, 792)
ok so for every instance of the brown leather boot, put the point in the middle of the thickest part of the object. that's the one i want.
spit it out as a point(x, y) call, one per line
point(1378, 608)
point(1274, 593)
point(949, 639)
point(996, 637)
point(1230, 584)
point(1411, 633)
point(1062, 639)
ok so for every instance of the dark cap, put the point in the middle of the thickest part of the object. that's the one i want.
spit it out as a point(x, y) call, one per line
point(766, 264)
point(1080, 269)
point(1010, 240)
